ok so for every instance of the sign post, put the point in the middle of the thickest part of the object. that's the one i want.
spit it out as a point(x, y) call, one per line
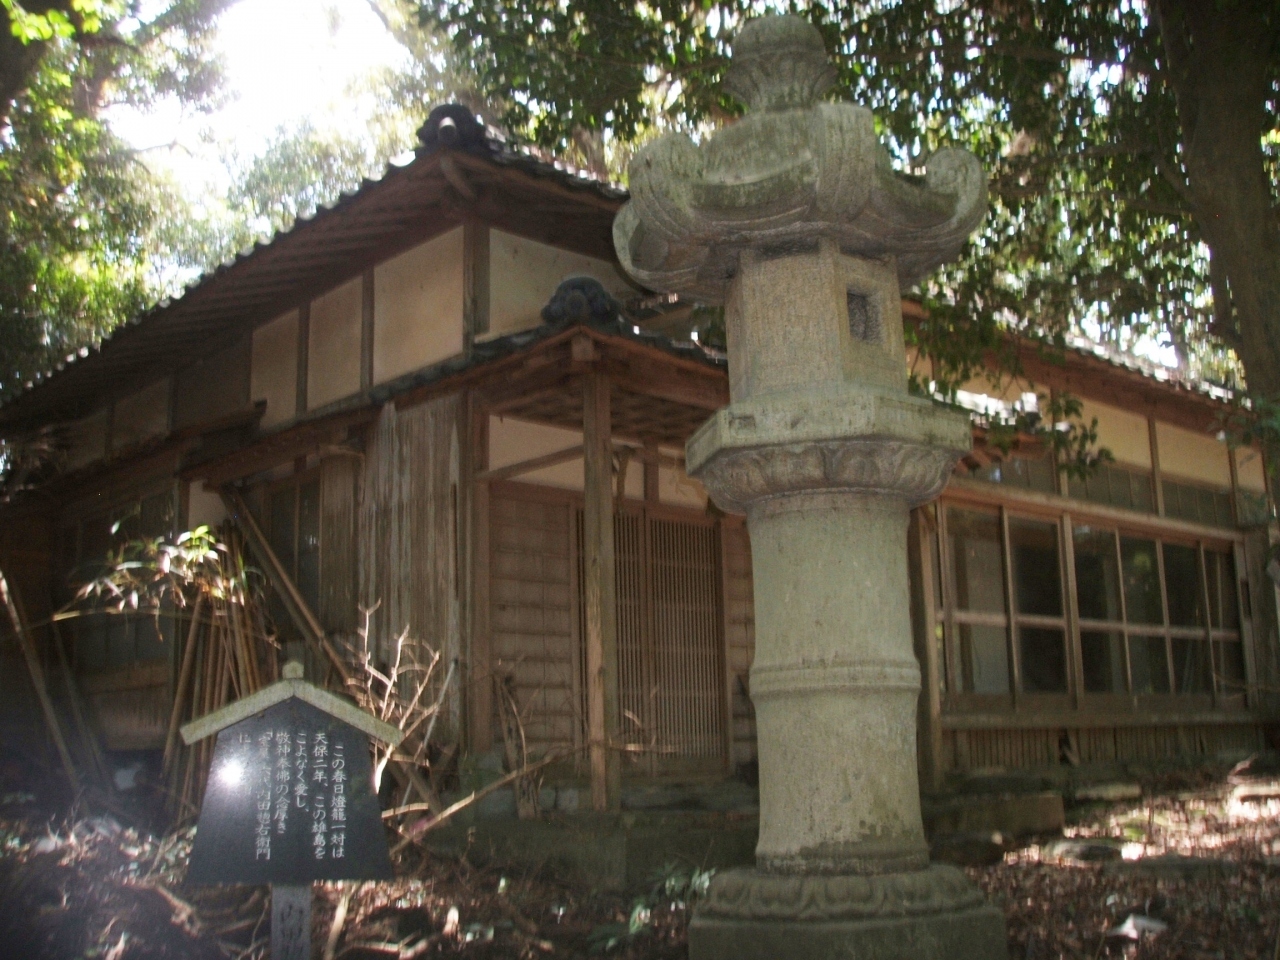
point(290, 800)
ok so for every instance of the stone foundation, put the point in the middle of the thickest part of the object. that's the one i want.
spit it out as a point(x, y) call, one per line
point(921, 915)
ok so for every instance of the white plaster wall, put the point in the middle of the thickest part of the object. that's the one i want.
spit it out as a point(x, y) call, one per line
point(523, 274)
point(1192, 456)
point(1125, 434)
point(273, 370)
point(1250, 469)
point(333, 351)
point(87, 439)
point(141, 416)
point(513, 441)
point(417, 307)
point(204, 507)
point(678, 488)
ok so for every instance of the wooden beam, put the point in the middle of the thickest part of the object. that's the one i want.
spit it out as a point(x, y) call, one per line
point(457, 179)
point(533, 463)
point(601, 596)
point(480, 661)
point(650, 379)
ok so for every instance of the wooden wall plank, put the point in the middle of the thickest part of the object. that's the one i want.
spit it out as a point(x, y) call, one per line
point(338, 564)
point(407, 549)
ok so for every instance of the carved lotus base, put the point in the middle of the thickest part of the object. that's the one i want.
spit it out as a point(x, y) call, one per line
point(856, 438)
point(920, 915)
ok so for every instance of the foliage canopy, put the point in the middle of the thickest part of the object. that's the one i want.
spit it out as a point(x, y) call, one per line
point(1103, 126)
point(79, 206)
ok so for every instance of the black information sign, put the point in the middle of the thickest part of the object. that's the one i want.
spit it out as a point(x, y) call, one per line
point(290, 800)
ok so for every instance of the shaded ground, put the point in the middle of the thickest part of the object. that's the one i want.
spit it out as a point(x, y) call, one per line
point(93, 886)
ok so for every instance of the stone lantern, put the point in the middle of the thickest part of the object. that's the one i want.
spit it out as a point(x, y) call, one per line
point(794, 220)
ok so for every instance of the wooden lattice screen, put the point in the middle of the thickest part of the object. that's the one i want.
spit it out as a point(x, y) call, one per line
point(670, 649)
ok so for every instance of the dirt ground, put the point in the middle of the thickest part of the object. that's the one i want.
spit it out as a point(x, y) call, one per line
point(94, 883)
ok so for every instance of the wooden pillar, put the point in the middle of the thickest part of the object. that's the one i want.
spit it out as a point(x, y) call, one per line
point(600, 592)
point(480, 659)
point(652, 477)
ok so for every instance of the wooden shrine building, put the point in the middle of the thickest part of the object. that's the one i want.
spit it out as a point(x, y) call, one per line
point(379, 387)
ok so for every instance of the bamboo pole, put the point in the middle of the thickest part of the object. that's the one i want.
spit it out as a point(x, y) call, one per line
point(37, 680)
point(294, 602)
point(77, 711)
point(184, 679)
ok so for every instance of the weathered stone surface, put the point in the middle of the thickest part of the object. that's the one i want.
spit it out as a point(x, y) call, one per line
point(923, 913)
point(794, 220)
point(850, 439)
point(791, 170)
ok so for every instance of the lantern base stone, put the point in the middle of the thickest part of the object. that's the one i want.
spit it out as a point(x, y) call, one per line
point(917, 915)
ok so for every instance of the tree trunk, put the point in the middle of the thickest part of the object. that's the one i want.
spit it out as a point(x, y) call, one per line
point(1219, 63)
point(18, 62)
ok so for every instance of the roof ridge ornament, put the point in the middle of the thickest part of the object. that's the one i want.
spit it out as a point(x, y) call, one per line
point(791, 171)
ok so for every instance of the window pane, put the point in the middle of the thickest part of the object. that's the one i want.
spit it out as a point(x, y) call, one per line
point(1044, 660)
point(1097, 574)
point(1103, 654)
point(1119, 494)
point(1191, 666)
point(1148, 666)
point(1182, 582)
point(1033, 474)
point(975, 551)
point(1040, 474)
point(1141, 580)
point(984, 658)
point(309, 543)
point(1224, 614)
point(1036, 577)
point(1140, 484)
point(1228, 663)
point(1222, 505)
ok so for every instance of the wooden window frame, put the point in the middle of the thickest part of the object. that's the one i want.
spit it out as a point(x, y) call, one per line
point(1067, 514)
